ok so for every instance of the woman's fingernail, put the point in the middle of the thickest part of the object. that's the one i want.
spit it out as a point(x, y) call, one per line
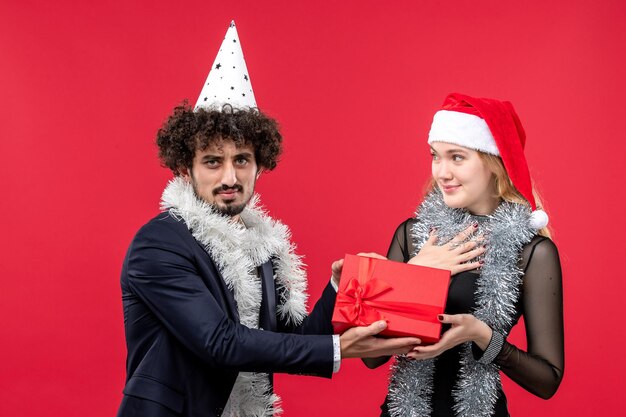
point(481, 262)
point(476, 225)
point(440, 317)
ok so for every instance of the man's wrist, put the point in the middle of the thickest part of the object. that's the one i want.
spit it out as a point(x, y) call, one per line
point(334, 283)
point(336, 353)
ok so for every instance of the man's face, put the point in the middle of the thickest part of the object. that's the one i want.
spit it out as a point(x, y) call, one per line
point(224, 175)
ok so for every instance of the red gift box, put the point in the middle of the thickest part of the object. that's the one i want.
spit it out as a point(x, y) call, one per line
point(408, 297)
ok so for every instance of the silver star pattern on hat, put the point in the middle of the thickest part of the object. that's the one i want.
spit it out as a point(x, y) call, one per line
point(228, 81)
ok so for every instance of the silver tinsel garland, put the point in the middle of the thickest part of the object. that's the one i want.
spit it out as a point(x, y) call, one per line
point(506, 232)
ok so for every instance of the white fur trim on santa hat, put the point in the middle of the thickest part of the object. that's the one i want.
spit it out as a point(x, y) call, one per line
point(462, 129)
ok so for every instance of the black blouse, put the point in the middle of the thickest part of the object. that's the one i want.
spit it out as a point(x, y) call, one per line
point(538, 370)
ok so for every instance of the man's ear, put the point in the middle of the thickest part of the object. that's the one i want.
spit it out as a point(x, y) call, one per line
point(185, 173)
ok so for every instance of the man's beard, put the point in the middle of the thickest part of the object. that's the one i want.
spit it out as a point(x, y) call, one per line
point(228, 209)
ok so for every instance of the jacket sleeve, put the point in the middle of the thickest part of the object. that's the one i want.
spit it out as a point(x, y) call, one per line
point(319, 320)
point(163, 275)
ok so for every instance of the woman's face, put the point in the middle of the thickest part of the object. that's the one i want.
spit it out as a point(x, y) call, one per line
point(463, 178)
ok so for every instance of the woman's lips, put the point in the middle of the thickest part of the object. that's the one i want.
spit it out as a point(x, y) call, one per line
point(449, 189)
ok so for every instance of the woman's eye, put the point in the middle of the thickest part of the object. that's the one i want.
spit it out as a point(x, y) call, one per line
point(457, 158)
point(435, 157)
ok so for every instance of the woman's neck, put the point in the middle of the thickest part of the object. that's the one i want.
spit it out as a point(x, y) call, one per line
point(485, 208)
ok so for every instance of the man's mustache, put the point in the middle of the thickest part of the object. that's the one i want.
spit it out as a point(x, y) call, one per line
point(223, 188)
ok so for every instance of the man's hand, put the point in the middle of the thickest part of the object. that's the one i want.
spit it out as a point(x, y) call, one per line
point(337, 266)
point(360, 342)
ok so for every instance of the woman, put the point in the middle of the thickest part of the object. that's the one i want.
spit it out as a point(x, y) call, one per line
point(480, 221)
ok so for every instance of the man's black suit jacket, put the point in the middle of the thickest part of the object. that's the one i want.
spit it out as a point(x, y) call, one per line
point(185, 343)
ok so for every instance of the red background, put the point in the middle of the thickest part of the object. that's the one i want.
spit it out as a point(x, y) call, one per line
point(85, 85)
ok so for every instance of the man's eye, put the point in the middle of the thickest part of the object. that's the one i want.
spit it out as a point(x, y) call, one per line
point(212, 163)
point(241, 161)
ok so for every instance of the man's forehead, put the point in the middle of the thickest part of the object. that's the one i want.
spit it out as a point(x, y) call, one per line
point(220, 146)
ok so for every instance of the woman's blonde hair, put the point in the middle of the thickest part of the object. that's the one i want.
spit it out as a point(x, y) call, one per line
point(503, 186)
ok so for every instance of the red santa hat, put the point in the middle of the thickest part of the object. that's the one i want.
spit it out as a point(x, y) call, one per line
point(490, 126)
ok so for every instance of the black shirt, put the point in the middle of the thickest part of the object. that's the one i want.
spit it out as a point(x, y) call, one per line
point(540, 369)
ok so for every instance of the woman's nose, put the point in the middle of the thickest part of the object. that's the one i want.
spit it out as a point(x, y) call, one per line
point(442, 171)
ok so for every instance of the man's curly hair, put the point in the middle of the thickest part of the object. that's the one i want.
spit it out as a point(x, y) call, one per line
point(187, 131)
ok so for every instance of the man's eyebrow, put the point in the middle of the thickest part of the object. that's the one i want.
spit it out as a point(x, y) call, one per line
point(245, 154)
point(211, 156)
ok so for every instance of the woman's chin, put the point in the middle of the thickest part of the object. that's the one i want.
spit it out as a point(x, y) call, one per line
point(454, 203)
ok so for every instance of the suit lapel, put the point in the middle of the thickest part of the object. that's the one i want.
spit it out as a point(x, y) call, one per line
point(227, 294)
point(267, 317)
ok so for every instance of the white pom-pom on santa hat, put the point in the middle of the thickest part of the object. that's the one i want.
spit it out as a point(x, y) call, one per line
point(538, 219)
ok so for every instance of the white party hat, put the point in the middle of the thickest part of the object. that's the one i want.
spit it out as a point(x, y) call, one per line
point(228, 81)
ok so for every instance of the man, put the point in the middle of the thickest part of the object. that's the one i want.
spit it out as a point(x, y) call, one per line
point(214, 295)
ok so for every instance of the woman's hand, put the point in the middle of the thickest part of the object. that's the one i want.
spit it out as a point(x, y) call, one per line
point(337, 266)
point(453, 255)
point(465, 328)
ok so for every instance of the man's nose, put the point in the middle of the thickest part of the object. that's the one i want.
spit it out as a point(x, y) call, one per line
point(229, 175)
